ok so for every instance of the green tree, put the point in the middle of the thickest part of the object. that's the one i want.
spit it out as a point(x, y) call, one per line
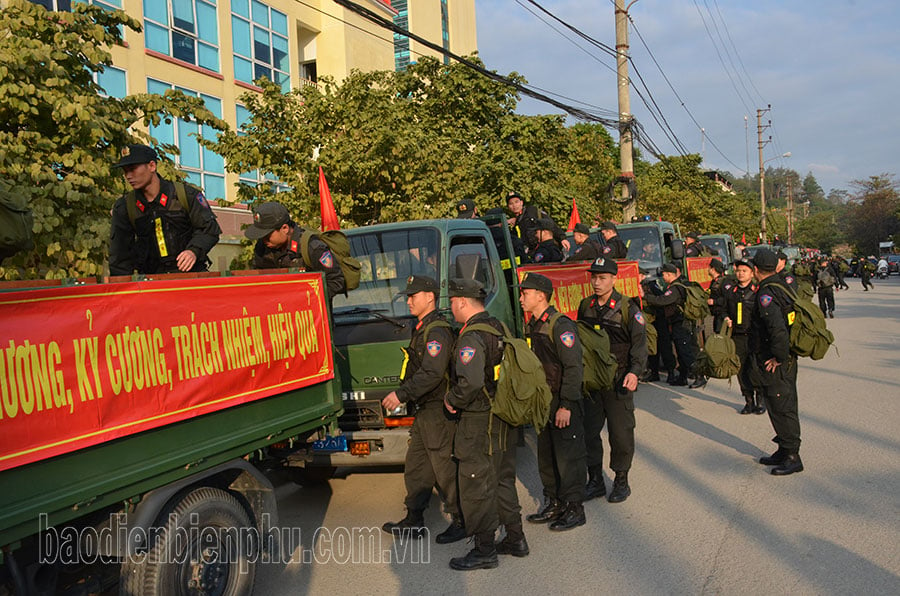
point(59, 133)
point(873, 215)
point(819, 230)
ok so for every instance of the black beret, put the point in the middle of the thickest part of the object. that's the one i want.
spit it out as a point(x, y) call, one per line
point(466, 288)
point(604, 265)
point(136, 154)
point(536, 281)
point(420, 283)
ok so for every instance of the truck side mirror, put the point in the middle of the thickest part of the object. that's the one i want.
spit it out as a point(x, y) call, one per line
point(677, 249)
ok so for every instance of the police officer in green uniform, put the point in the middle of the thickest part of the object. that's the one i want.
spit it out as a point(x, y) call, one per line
point(472, 387)
point(547, 250)
point(776, 366)
point(553, 337)
point(740, 300)
point(681, 330)
point(614, 247)
point(278, 245)
point(588, 248)
point(423, 386)
point(153, 231)
point(613, 407)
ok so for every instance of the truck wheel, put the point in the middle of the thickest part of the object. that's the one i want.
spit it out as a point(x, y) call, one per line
point(313, 475)
point(203, 549)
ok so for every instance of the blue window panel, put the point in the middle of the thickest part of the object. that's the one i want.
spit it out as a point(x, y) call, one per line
point(280, 57)
point(156, 10)
point(156, 38)
point(260, 71)
point(208, 56)
point(183, 15)
point(212, 161)
point(262, 51)
point(183, 47)
point(113, 82)
point(190, 149)
point(279, 22)
point(242, 116)
point(252, 175)
point(243, 70)
point(194, 179)
point(164, 133)
point(158, 87)
point(240, 7)
point(213, 104)
point(214, 186)
point(283, 80)
point(260, 13)
point(240, 37)
point(207, 23)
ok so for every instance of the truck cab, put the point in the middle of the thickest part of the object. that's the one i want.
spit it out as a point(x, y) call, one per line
point(721, 245)
point(652, 244)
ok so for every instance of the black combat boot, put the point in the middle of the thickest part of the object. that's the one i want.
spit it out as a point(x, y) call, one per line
point(790, 465)
point(595, 486)
point(514, 542)
point(411, 526)
point(620, 490)
point(572, 517)
point(758, 407)
point(552, 509)
point(650, 376)
point(483, 556)
point(776, 459)
point(699, 382)
point(749, 406)
point(455, 531)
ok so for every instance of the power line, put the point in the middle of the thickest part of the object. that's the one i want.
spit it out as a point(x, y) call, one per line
point(719, 54)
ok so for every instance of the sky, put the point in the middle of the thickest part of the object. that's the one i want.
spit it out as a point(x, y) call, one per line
point(830, 69)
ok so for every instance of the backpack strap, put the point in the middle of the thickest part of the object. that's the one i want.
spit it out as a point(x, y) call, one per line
point(486, 328)
point(131, 201)
point(432, 325)
point(305, 239)
point(182, 196)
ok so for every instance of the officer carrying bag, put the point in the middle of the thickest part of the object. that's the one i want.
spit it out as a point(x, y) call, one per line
point(16, 224)
point(719, 358)
point(696, 307)
point(810, 337)
point(523, 396)
point(339, 246)
point(600, 364)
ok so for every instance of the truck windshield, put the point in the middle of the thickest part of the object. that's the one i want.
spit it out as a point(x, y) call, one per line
point(643, 245)
point(718, 246)
point(388, 258)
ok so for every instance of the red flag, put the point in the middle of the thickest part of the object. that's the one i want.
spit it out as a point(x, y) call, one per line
point(329, 215)
point(744, 238)
point(574, 218)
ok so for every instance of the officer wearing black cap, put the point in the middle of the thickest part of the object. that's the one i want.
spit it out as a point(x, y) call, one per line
point(161, 226)
point(681, 330)
point(524, 220)
point(693, 247)
point(740, 300)
point(717, 293)
point(282, 243)
point(553, 337)
point(472, 387)
point(588, 248)
point(424, 381)
point(465, 209)
point(776, 366)
point(786, 275)
point(624, 322)
point(547, 250)
point(614, 247)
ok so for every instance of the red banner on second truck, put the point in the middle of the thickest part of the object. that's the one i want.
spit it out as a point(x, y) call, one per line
point(572, 282)
point(698, 270)
point(83, 365)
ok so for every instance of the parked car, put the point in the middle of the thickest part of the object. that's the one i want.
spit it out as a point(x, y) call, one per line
point(893, 264)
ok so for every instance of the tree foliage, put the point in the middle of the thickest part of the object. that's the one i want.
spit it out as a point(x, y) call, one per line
point(874, 214)
point(59, 133)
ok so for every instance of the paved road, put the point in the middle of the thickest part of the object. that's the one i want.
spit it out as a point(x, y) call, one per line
point(704, 517)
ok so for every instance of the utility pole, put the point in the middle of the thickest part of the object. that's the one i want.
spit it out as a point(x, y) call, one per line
point(790, 211)
point(629, 206)
point(762, 171)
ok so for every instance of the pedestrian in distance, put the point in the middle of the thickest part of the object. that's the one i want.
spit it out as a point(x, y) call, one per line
point(624, 323)
point(161, 226)
point(825, 282)
point(423, 384)
point(776, 366)
point(865, 273)
point(553, 337)
point(280, 243)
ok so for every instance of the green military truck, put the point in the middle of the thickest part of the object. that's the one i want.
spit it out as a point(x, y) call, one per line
point(652, 244)
point(138, 420)
point(721, 246)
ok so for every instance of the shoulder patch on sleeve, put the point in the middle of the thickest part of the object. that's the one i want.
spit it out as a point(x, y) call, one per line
point(202, 200)
point(667, 293)
point(639, 317)
point(434, 348)
point(466, 354)
point(327, 259)
point(539, 257)
point(606, 249)
point(568, 339)
point(765, 300)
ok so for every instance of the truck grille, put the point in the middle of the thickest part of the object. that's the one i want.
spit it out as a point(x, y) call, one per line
point(360, 415)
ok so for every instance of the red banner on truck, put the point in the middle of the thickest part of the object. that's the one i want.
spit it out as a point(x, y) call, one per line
point(84, 365)
point(698, 270)
point(572, 282)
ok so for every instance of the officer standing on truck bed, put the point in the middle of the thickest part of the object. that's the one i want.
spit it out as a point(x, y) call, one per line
point(424, 383)
point(547, 251)
point(615, 248)
point(278, 244)
point(613, 407)
point(161, 226)
point(472, 387)
point(553, 337)
point(588, 248)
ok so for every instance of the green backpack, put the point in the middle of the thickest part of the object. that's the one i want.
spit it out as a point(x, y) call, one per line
point(810, 337)
point(719, 358)
point(131, 201)
point(339, 246)
point(696, 307)
point(600, 364)
point(523, 396)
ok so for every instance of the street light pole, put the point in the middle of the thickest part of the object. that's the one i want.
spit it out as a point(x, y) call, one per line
point(762, 172)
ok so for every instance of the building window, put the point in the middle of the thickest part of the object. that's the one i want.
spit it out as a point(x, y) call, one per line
point(183, 29)
point(204, 168)
point(66, 5)
point(112, 81)
point(445, 29)
point(401, 42)
point(260, 39)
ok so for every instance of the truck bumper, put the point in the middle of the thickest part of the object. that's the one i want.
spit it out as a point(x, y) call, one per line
point(387, 447)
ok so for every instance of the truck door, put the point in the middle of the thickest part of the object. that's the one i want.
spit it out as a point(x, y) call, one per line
point(472, 255)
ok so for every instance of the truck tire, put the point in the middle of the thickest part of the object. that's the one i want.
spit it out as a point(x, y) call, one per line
point(202, 547)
